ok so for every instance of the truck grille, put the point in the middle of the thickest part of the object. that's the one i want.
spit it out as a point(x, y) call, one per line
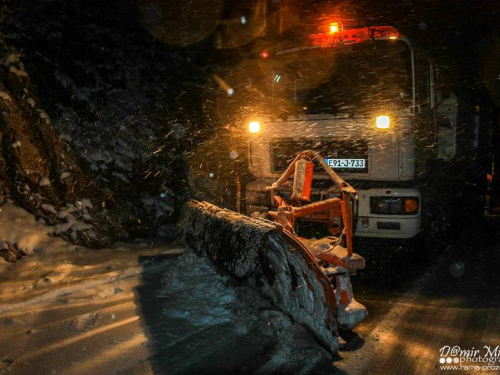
point(284, 150)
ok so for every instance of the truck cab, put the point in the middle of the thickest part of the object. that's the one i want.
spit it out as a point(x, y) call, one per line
point(367, 100)
point(378, 111)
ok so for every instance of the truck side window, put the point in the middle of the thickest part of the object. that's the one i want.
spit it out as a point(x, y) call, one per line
point(422, 85)
point(442, 87)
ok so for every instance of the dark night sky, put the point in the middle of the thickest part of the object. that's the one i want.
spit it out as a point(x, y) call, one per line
point(461, 34)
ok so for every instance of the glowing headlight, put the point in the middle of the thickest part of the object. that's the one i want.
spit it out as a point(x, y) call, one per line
point(254, 127)
point(383, 122)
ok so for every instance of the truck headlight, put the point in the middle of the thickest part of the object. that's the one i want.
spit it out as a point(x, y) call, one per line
point(254, 127)
point(411, 205)
point(383, 122)
point(394, 205)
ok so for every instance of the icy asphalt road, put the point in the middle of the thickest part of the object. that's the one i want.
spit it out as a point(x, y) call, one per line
point(413, 314)
point(415, 310)
point(145, 311)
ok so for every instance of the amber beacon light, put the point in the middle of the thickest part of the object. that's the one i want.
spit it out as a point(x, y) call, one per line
point(383, 122)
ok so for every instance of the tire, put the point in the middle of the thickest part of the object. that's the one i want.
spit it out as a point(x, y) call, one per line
point(439, 224)
point(437, 235)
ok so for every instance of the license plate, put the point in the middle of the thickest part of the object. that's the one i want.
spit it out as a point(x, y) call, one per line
point(346, 163)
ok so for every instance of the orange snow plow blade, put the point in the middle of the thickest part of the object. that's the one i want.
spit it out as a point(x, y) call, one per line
point(267, 257)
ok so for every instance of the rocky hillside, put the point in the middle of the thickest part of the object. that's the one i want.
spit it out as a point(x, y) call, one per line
point(92, 108)
point(38, 169)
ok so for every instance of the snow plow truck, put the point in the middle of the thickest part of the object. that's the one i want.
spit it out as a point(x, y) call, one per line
point(380, 113)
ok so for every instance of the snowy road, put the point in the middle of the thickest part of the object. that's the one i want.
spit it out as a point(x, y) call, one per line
point(453, 303)
point(74, 311)
point(141, 310)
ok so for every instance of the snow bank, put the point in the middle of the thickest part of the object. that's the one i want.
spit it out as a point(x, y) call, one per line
point(20, 230)
point(21, 234)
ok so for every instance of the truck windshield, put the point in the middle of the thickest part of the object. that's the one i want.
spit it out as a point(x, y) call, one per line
point(345, 79)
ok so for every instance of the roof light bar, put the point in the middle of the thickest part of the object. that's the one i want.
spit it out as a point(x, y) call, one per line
point(353, 36)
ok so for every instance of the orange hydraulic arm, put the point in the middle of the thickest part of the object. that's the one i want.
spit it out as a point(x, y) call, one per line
point(338, 252)
point(335, 207)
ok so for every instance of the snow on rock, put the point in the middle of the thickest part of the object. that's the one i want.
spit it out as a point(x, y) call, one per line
point(17, 80)
point(45, 163)
point(84, 204)
point(11, 58)
point(72, 226)
point(21, 234)
point(44, 116)
point(31, 102)
point(18, 72)
point(44, 181)
point(64, 175)
point(113, 105)
point(49, 208)
point(5, 96)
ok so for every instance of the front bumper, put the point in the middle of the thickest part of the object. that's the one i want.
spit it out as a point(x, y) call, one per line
point(387, 226)
point(257, 200)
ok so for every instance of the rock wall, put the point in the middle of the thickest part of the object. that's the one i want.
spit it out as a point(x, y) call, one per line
point(110, 90)
point(38, 170)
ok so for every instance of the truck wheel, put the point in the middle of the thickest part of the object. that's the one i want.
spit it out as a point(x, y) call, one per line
point(438, 233)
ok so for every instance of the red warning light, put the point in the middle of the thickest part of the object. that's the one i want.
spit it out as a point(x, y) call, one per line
point(264, 54)
point(353, 36)
point(335, 27)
